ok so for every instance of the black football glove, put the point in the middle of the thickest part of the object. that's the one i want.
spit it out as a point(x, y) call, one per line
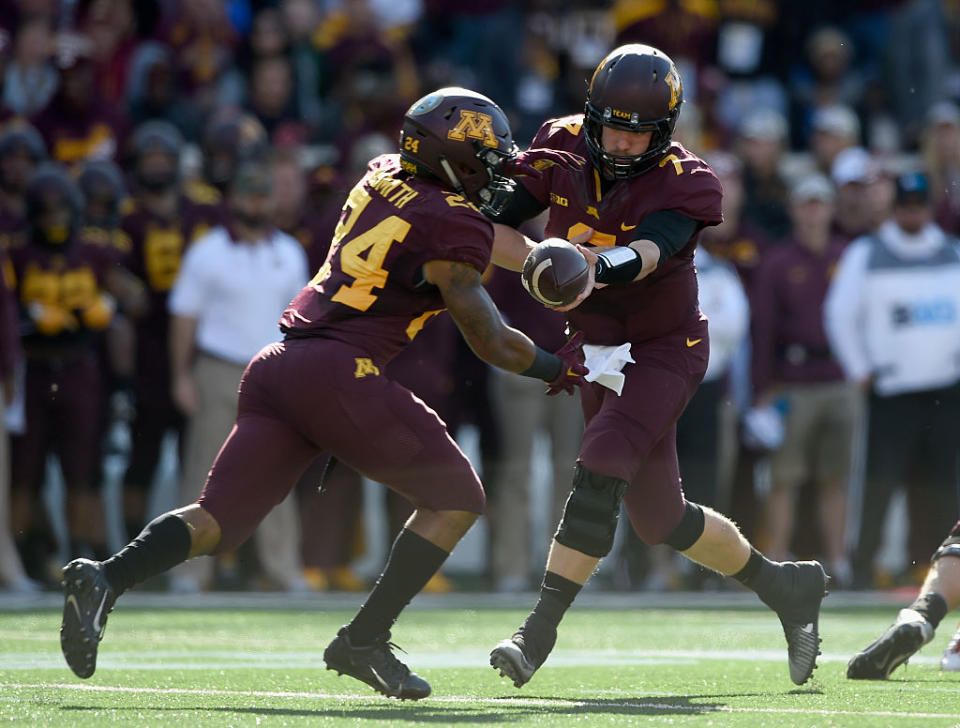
point(532, 162)
point(572, 369)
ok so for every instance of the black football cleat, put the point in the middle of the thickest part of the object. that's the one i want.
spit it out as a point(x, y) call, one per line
point(88, 599)
point(376, 665)
point(906, 635)
point(804, 587)
point(520, 656)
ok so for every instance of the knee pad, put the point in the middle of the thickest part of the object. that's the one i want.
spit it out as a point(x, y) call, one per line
point(949, 547)
point(589, 520)
point(690, 528)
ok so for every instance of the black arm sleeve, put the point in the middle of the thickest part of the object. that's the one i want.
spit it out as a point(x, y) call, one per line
point(669, 229)
point(519, 207)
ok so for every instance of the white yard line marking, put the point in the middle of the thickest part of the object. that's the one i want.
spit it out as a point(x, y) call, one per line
point(519, 702)
point(205, 659)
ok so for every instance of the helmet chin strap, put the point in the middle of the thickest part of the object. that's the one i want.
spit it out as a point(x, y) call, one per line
point(454, 180)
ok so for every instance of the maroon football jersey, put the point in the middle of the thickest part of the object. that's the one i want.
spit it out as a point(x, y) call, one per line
point(665, 300)
point(157, 244)
point(71, 277)
point(369, 292)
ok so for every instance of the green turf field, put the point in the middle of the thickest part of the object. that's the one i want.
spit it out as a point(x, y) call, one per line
point(656, 666)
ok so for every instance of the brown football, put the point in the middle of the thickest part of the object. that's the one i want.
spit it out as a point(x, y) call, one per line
point(555, 272)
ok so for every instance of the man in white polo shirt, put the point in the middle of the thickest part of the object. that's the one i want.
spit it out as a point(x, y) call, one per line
point(233, 284)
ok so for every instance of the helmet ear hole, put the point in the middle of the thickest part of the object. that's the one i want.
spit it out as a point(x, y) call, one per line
point(456, 137)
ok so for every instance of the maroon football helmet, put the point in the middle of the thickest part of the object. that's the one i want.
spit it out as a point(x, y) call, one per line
point(460, 138)
point(635, 88)
point(54, 205)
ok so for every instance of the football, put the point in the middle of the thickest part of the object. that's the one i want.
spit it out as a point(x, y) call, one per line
point(555, 272)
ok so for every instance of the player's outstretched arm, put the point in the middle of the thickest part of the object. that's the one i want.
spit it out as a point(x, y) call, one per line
point(492, 340)
point(510, 247)
point(477, 316)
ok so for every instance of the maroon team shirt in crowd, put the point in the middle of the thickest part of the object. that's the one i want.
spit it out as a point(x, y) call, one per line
point(789, 341)
point(369, 293)
point(664, 301)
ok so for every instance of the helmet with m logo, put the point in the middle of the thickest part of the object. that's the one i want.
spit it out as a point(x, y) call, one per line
point(459, 138)
point(635, 88)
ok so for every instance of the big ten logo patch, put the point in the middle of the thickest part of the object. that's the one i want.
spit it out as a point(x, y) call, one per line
point(475, 125)
point(365, 367)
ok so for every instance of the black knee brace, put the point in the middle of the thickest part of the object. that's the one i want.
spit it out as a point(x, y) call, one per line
point(589, 520)
point(689, 530)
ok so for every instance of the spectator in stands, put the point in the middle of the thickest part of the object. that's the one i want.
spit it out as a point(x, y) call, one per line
point(232, 286)
point(940, 148)
point(795, 371)
point(153, 93)
point(738, 239)
point(78, 124)
point(893, 323)
point(30, 79)
point(919, 61)
point(828, 80)
point(833, 129)
point(203, 42)
point(761, 143)
point(272, 101)
point(110, 26)
point(864, 193)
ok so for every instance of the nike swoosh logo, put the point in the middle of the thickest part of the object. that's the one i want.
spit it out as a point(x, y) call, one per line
point(96, 617)
point(693, 342)
point(808, 628)
point(71, 599)
point(625, 227)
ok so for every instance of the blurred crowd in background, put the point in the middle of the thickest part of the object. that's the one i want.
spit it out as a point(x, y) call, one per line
point(160, 123)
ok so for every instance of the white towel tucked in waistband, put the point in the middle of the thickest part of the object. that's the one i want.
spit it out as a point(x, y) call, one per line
point(605, 364)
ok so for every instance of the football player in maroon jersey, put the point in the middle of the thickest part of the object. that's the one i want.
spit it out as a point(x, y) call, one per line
point(410, 243)
point(645, 198)
point(165, 216)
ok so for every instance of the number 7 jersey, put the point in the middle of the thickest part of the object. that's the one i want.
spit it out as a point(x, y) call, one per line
point(370, 291)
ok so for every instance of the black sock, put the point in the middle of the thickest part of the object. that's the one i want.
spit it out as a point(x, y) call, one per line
point(556, 595)
point(413, 560)
point(163, 543)
point(759, 574)
point(932, 606)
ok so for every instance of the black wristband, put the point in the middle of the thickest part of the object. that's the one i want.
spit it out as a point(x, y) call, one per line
point(618, 265)
point(546, 366)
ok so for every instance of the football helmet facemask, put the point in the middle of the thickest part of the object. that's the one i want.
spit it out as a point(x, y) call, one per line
point(53, 204)
point(101, 184)
point(460, 138)
point(635, 88)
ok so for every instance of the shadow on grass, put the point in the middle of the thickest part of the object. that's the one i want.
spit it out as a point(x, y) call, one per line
point(426, 711)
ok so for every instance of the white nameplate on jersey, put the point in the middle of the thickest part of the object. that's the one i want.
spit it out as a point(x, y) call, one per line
point(606, 363)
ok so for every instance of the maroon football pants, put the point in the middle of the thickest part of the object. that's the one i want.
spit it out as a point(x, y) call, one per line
point(298, 398)
point(634, 436)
